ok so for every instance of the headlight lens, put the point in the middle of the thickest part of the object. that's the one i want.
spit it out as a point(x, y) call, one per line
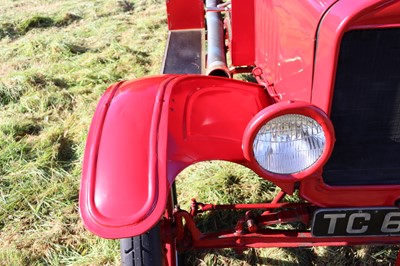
point(289, 144)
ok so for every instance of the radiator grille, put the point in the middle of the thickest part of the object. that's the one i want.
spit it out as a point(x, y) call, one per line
point(366, 110)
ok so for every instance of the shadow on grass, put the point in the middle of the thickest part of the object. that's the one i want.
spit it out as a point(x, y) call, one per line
point(66, 156)
point(17, 29)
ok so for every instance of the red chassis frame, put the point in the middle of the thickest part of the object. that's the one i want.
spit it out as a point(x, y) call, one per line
point(249, 231)
point(146, 131)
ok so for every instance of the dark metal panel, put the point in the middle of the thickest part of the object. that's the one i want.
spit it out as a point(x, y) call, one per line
point(184, 53)
point(366, 110)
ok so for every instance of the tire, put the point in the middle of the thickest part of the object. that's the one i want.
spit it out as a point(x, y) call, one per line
point(143, 250)
point(147, 249)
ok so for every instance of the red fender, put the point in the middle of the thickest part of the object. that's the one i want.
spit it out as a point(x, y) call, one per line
point(144, 132)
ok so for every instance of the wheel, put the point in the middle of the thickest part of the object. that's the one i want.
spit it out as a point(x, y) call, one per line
point(143, 250)
point(148, 249)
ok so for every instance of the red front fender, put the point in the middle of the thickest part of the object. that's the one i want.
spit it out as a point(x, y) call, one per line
point(144, 132)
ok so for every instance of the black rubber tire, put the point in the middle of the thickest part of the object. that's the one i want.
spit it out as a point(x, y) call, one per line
point(143, 250)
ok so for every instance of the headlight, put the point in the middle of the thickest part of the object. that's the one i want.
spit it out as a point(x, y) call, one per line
point(288, 141)
point(289, 144)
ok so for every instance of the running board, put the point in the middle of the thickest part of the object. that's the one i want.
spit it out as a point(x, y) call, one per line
point(184, 53)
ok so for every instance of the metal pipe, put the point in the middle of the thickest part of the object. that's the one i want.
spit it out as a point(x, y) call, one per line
point(216, 59)
point(217, 9)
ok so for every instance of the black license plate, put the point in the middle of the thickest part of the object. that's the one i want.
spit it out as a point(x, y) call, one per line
point(356, 222)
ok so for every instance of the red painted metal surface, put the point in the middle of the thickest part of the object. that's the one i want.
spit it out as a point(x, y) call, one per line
point(255, 235)
point(185, 14)
point(285, 43)
point(315, 190)
point(119, 183)
point(170, 252)
point(386, 15)
point(341, 17)
point(145, 132)
point(283, 238)
point(206, 120)
point(243, 33)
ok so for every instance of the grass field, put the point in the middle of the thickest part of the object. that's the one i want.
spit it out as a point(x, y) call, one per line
point(56, 59)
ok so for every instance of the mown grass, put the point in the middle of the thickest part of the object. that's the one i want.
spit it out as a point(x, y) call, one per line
point(56, 59)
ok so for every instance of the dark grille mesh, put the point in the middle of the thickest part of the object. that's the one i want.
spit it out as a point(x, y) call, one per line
point(366, 110)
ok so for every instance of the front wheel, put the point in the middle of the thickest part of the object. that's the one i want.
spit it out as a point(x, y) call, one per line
point(143, 250)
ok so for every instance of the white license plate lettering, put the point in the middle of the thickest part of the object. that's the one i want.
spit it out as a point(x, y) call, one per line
point(356, 222)
point(391, 223)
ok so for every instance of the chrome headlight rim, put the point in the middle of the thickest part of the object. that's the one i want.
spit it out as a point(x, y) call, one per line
point(281, 109)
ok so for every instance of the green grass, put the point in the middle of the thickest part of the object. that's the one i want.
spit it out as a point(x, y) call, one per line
point(56, 59)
